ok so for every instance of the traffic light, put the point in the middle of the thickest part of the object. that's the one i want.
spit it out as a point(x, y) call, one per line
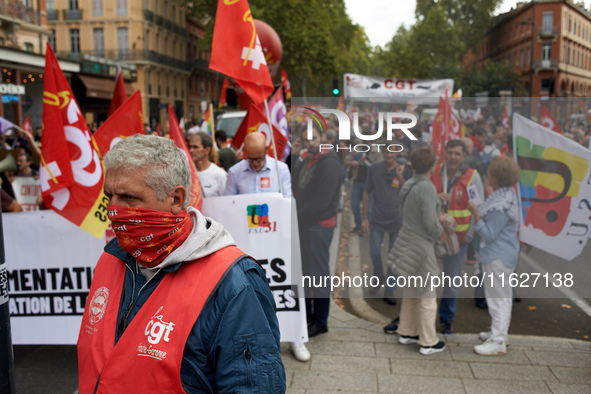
point(335, 87)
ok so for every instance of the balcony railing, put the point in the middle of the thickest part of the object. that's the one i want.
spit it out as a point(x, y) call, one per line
point(18, 10)
point(52, 15)
point(72, 15)
point(130, 55)
point(541, 64)
point(200, 63)
point(148, 15)
point(166, 23)
point(548, 31)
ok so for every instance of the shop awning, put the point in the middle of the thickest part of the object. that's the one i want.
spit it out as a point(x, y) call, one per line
point(102, 87)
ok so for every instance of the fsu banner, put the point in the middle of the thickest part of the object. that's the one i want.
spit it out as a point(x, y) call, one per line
point(555, 189)
point(48, 280)
point(71, 177)
point(365, 86)
point(126, 121)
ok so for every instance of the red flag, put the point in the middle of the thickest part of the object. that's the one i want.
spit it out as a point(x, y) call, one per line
point(119, 94)
point(505, 120)
point(341, 104)
point(223, 99)
point(27, 125)
point(446, 126)
point(236, 49)
point(207, 116)
point(71, 177)
point(285, 83)
point(196, 199)
point(256, 121)
point(158, 131)
point(126, 121)
point(547, 120)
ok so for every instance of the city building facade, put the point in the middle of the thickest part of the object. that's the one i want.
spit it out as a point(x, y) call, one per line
point(548, 42)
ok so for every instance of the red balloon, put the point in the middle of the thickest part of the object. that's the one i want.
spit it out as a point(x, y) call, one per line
point(271, 44)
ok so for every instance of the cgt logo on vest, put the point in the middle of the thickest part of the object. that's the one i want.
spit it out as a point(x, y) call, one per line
point(156, 330)
point(345, 129)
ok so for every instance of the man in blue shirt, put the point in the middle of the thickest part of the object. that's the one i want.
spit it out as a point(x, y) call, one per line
point(258, 172)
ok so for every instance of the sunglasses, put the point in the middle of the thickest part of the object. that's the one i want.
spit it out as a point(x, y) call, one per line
point(257, 159)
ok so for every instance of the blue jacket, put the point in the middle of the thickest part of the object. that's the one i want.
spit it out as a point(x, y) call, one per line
point(234, 345)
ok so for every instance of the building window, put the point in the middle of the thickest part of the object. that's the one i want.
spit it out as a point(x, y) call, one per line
point(74, 41)
point(149, 81)
point(99, 42)
point(51, 40)
point(575, 27)
point(528, 55)
point(167, 87)
point(547, 26)
point(157, 43)
point(165, 9)
point(147, 40)
point(28, 47)
point(156, 6)
point(121, 7)
point(73, 4)
point(97, 7)
point(123, 42)
point(568, 55)
point(174, 16)
point(50, 5)
point(546, 51)
point(521, 57)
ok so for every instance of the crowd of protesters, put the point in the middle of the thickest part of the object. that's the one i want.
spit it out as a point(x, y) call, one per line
point(405, 195)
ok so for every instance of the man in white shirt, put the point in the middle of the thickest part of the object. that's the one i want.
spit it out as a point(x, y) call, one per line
point(258, 172)
point(212, 177)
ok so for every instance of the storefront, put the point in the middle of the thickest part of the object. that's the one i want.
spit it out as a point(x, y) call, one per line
point(21, 87)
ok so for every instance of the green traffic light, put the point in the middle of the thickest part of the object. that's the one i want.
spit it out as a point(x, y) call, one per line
point(335, 91)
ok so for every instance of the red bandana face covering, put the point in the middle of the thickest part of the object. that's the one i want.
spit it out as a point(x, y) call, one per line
point(147, 234)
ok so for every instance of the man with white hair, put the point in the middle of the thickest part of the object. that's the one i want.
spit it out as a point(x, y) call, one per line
point(174, 306)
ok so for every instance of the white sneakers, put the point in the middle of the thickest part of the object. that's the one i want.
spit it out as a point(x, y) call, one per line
point(484, 335)
point(300, 351)
point(491, 348)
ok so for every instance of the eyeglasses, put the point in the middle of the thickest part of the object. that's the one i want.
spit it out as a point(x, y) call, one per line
point(257, 159)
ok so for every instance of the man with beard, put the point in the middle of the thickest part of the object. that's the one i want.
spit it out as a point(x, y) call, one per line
point(174, 306)
point(317, 184)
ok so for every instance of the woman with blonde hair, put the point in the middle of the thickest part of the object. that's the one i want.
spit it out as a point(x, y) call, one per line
point(497, 221)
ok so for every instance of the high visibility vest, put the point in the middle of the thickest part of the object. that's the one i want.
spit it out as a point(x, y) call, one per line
point(458, 204)
point(147, 358)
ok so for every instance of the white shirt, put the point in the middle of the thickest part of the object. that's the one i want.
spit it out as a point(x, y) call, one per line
point(213, 180)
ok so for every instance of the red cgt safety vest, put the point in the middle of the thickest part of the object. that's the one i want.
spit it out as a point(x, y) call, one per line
point(458, 203)
point(148, 356)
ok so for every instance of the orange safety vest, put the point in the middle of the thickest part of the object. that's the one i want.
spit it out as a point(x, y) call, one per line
point(148, 356)
point(458, 203)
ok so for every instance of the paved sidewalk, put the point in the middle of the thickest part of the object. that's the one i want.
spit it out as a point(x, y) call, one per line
point(356, 356)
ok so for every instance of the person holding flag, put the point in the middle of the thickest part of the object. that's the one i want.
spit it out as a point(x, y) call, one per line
point(173, 300)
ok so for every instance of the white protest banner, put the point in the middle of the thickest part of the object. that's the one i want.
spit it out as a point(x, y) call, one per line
point(554, 189)
point(262, 226)
point(359, 86)
point(50, 262)
point(26, 191)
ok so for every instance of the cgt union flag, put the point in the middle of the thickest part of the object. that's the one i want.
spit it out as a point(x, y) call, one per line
point(555, 189)
point(547, 120)
point(236, 49)
point(256, 121)
point(446, 126)
point(71, 177)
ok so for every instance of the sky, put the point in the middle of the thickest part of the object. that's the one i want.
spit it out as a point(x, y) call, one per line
point(381, 18)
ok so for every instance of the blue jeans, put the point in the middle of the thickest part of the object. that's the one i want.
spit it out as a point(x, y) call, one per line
point(356, 198)
point(452, 267)
point(376, 239)
point(315, 242)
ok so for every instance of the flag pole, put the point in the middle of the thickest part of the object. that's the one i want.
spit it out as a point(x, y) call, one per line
point(216, 154)
point(273, 143)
